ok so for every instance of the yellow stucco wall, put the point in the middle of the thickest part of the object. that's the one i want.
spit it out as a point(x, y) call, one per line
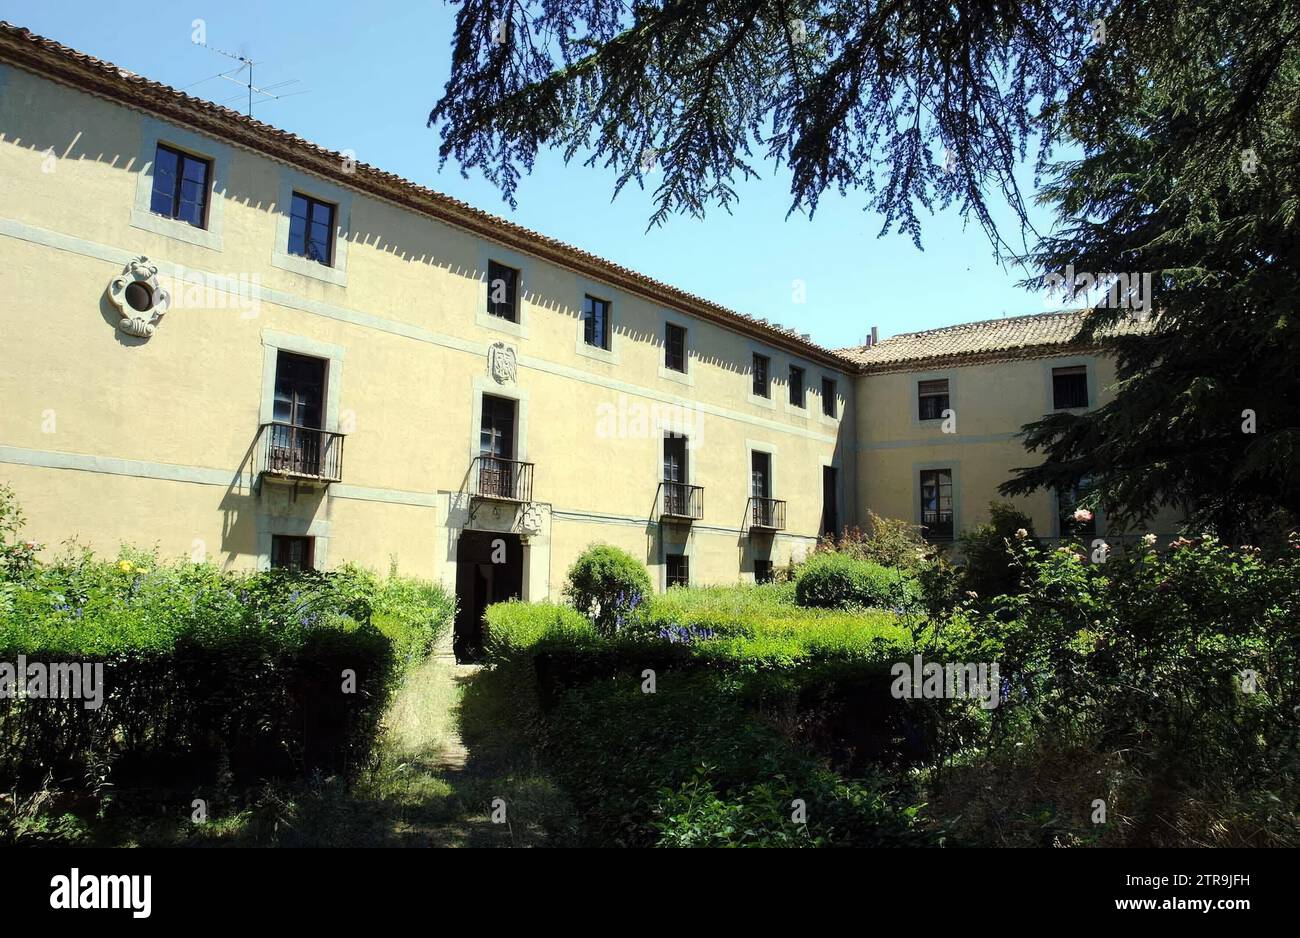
point(990, 403)
point(116, 440)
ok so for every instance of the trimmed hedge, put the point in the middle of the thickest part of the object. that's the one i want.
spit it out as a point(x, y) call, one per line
point(832, 580)
point(206, 675)
point(692, 764)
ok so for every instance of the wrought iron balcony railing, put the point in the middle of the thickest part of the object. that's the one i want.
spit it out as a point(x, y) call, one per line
point(766, 514)
point(505, 479)
point(679, 501)
point(936, 525)
point(308, 453)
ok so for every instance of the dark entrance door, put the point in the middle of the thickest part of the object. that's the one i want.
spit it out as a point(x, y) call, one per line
point(489, 569)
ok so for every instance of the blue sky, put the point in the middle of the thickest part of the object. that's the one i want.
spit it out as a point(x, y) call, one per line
point(373, 70)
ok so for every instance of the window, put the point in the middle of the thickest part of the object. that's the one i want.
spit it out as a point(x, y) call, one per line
point(497, 472)
point(679, 570)
point(595, 322)
point(763, 572)
point(1070, 387)
point(760, 474)
point(828, 397)
point(502, 291)
point(796, 387)
point(297, 410)
point(311, 229)
point(676, 476)
point(830, 504)
point(936, 503)
point(291, 553)
point(675, 347)
point(932, 399)
point(180, 186)
point(762, 387)
point(1067, 503)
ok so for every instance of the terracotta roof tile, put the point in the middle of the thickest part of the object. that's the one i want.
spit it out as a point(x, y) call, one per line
point(990, 340)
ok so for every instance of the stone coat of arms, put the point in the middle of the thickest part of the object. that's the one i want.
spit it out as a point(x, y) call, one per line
point(501, 363)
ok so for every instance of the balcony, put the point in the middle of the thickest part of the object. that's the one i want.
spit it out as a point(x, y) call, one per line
point(936, 525)
point(506, 480)
point(680, 502)
point(766, 514)
point(300, 454)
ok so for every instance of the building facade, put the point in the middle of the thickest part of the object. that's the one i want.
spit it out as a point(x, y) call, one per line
point(227, 343)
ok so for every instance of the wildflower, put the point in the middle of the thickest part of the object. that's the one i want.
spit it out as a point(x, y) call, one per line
point(972, 594)
point(1149, 540)
point(1082, 515)
point(1022, 533)
point(125, 566)
point(31, 545)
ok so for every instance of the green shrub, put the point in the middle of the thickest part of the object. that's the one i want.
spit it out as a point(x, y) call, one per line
point(205, 673)
point(837, 581)
point(690, 766)
point(889, 542)
point(415, 616)
point(1184, 660)
point(988, 570)
point(607, 585)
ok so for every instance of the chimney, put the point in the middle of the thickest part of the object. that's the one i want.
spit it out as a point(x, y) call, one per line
point(874, 337)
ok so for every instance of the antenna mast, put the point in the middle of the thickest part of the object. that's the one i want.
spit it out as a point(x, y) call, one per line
point(249, 88)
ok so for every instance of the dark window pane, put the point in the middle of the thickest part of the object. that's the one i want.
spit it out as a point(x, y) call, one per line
point(1067, 503)
point(595, 326)
point(828, 397)
point(163, 201)
point(763, 572)
point(932, 399)
point(830, 500)
point(1069, 387)
point(678, 572)
point(502, 287)
point(291, 553)
point(675, 348)
point(180, 186)
point(761, 386)
point(760, 475)
point(796, 386)
point(936, 503)
point(311, 229)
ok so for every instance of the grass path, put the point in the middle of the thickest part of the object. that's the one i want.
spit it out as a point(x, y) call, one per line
point(453, 743)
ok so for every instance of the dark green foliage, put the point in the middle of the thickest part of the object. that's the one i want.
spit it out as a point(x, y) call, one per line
point(831, 580)
point(688, 766)
point(1208, 403)
point(989, 570)
point(866, 96)
point(207, 675)
point(607, 584)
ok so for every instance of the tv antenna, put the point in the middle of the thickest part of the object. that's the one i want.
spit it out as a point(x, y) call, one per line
point(246, 81)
